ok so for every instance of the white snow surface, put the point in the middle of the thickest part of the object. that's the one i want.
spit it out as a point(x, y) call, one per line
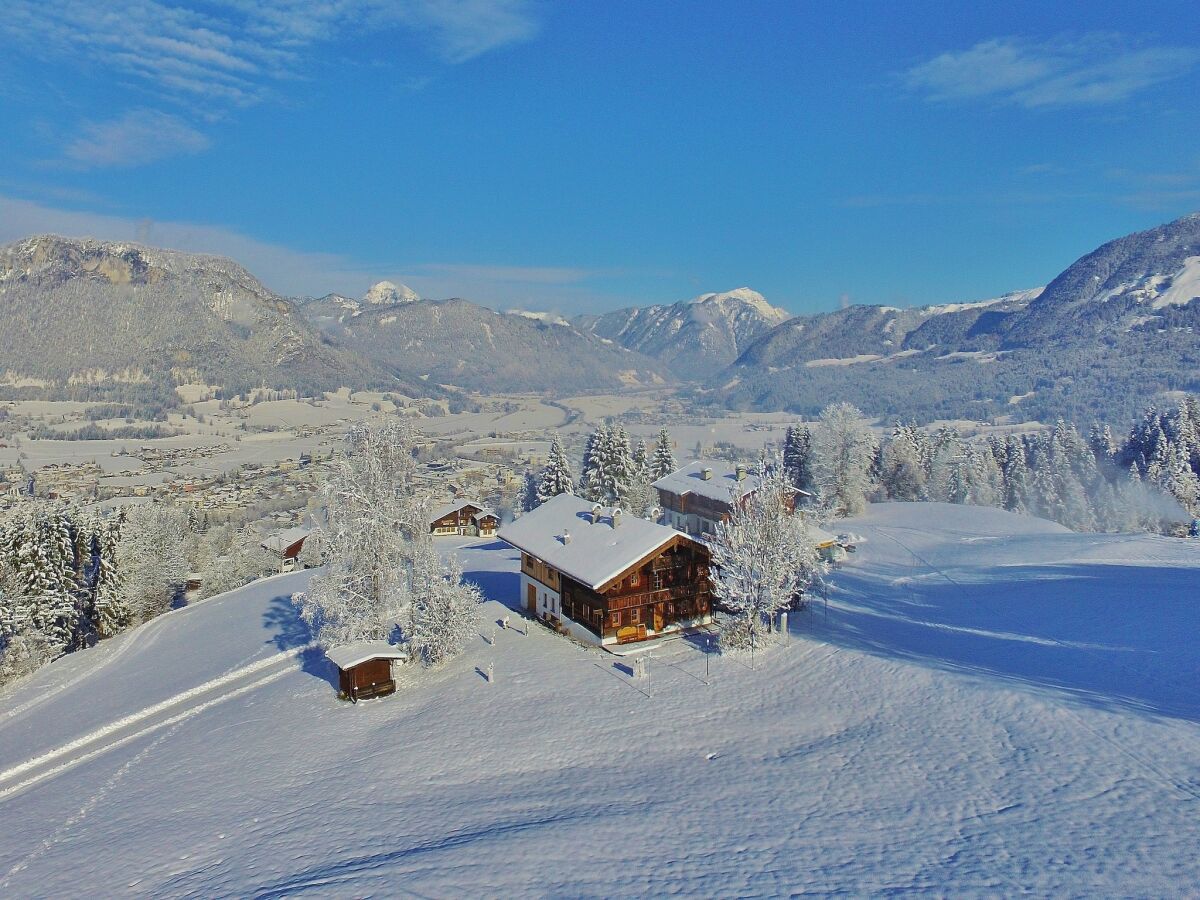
point(990, 705)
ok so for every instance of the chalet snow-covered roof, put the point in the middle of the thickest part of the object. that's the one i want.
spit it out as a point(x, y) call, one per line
point(281, 540)
point(720, 486)
point(595, 553)
point(347, 656)
point(440, 512)
point(483, 514)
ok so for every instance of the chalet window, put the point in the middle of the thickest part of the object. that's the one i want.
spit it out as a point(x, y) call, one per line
point(657, 580)
point(635, 615)
point(616, 619)
point(635, 579)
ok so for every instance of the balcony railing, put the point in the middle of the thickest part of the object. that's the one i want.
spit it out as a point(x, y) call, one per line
point(661, 595)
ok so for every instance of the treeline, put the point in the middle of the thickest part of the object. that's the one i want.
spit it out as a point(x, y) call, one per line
point(614, 471)
point(70, 578)
point(94, 432)
point(1148, 481)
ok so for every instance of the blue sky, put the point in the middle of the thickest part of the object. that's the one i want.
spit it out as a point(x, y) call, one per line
point(587, 155)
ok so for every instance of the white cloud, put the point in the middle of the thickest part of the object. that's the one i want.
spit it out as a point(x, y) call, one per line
point(296, 273)
point(229, 53)
point(140, 136)
point(236, 51)
point(1094, 70)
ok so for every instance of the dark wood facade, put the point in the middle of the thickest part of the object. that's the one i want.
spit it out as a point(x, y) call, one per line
point(456, 522)
point(696, 505)
point(487, 524)
point(663, 590)
point(371, 678)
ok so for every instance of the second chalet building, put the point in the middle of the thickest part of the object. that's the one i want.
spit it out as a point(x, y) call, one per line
point(701, 494)
point(607, 577)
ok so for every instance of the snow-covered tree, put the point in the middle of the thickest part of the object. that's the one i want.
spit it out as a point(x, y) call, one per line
point(797, 457)
point(763, 558)
point(151, 558)
point(372, 513)
point(641, 460)
point(607, 466)
point(445, 609)
point(109, 602)
point(662, 462)
point(843, 449)
point(904, 467)
point(556, 477)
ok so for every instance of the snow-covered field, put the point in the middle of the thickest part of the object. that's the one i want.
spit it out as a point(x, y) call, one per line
point(988, 705)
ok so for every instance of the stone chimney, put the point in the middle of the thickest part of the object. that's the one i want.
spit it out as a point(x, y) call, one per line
point(706, 473)
point(616, 516)
point(741, 472)
point(596, 510)
point(566, 537)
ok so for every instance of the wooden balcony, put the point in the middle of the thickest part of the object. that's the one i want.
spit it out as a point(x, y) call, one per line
point(661, 595)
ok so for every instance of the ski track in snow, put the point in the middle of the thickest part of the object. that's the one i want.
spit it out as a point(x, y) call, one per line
point(70, 749)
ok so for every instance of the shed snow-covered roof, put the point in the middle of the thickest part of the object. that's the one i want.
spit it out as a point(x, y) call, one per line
point(720, 486)
point(596, 552)
point(347, 656)
point(281, 540)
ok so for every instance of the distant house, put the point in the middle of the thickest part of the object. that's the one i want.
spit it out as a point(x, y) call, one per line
point(365, 668)
point(287, 546)
point(486, 523)
point(464, 517)
point(609, 578)
point(701, 494)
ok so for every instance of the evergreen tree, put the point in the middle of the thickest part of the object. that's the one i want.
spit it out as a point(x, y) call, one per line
point(662, 463)
point(110, 605)
point(797, 457)
point(556, 477)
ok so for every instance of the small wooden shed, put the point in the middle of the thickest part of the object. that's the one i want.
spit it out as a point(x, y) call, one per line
point(365, 668)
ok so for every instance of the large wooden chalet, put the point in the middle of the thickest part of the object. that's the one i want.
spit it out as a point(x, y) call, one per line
point(463, 517)
point(606, 577)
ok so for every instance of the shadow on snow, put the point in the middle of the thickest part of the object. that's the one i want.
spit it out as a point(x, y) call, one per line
point(291, 633)
point(1108, 635)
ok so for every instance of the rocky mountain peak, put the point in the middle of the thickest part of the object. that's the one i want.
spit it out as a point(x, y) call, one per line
point(388, 293)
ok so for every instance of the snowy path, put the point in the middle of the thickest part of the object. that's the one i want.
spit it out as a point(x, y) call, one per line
point(992, 706)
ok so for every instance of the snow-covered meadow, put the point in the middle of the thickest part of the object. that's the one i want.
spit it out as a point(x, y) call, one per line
point(988, 704)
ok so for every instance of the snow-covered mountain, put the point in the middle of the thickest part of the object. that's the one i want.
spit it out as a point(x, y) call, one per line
point(338, 307)
point(986, 705)
point(1144, 281)
point(692, 337)
point(387, 293)
point(459, 343)
point(116, 315)
point(1102, 340)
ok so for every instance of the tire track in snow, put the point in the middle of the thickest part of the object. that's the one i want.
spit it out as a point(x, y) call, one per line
point(81, 743)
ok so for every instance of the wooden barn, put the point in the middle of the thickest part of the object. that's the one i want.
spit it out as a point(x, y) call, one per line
point(365, 668)
point(606, 577)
